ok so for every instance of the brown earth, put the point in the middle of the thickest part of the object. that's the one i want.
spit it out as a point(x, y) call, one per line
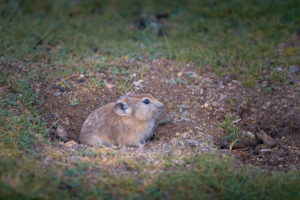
point(197, 104)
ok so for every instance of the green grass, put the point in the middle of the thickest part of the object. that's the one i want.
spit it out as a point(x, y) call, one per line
point(232, 132)
point(53, 39)
point(212, 176)
point(240, 37)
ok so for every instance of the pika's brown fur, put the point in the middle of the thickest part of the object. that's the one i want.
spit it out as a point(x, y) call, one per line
point(129, 121)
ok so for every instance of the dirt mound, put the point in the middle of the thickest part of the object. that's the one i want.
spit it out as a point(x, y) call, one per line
point(197, 103)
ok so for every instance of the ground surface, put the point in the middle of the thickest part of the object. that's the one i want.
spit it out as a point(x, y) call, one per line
point(197, 103)
point(227, 71)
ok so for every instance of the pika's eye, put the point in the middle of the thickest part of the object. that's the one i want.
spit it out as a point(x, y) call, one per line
point(146, 101)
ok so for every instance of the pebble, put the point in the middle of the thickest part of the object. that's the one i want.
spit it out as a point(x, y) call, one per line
point(214, 104)
point(185, 116)
point(278, 69)
point(265, 150)
point(109, 85)
point(179, 74)
point(179, 162)
point(191, 74)
point(57, 94)
point(207, 81)
point(133, 75)
point(71, 143)
point(294, 69)
point(209, 138)
point(221, 109)
point(74, 157)
point(138, 84)
point(250, 134)
point(21, 66)
point(231, 87)
point(201, 91)
point(222, 97)
point(183, 106)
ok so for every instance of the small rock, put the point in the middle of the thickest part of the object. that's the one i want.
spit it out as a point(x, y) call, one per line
point(57, 94)
point(250, 134)
point(209, 138)
point(185, 116)
point(109, 85)
point(294, 69)
point(265, 150)
point(231, 86)
point(138, 84)
point(222, 97)
point(183, 106)
point(61, 133)
point(221, 109)
point(71, 143)
point(20, 66)
point(279, 69)
point(214, 104)
point(207, 81)
point(179, 74)
point(179, 162)
point(133, 75)
point(201, 91)
point(74, 157)
point(191, 74)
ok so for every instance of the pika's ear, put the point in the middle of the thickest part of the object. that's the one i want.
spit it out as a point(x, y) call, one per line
point(122, 109)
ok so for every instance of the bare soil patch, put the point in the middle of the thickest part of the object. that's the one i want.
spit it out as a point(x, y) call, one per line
point(197, 103)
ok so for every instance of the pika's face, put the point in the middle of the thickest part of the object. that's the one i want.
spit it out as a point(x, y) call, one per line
point(148, 108)
point(141, 107)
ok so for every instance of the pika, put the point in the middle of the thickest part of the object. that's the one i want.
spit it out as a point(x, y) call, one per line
point(130, 121)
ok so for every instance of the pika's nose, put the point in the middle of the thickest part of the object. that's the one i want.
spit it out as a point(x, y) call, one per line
point(160, 104)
